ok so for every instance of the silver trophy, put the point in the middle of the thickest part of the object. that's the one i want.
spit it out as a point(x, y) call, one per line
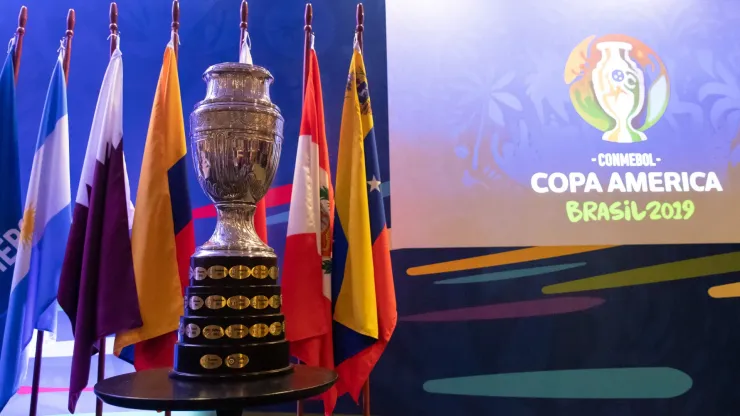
point(232, 325)
point(237, 134)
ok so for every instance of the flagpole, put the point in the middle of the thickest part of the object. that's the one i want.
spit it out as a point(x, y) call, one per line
point(68, 43)
point(36, 372)
point(113, 27)
point(360, 29)
point(40, 334)
point(244, 14)
point(176, 47)
point(308, 19)
point(359, 32)
point(175, 26)
point(308, 29)
point(19, 33)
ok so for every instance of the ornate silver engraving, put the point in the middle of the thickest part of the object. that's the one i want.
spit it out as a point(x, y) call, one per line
point(236, 138)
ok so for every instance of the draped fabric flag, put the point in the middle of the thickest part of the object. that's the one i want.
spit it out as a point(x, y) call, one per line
point(10, 197)
point(97, 290)
point(260, 213)
point(306, 280)
point(46, 222)
point(163, 237)
point(364, 300)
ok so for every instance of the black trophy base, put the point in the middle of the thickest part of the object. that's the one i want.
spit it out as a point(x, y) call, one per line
point(232, 328)
point(231, 361)
point(229, 377)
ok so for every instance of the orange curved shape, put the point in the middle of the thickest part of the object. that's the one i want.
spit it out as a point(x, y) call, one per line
point(577, 60)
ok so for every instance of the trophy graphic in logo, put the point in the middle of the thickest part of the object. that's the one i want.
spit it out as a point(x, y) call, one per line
point(618, 85)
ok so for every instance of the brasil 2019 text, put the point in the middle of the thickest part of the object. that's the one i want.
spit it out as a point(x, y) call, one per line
point(629, 211)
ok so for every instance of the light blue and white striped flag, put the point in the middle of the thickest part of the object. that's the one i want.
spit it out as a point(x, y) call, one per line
point(44, 229)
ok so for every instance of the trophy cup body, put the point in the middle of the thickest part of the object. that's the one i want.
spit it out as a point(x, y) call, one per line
point(232, 326)
point(619, 86)
point(236, 140)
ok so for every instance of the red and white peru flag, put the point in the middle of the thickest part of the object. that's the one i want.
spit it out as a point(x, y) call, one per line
point(306, 277)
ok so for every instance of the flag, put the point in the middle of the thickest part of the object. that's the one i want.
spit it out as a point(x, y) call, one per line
point(10, 197)
point(245, 51)
point(364, 300)
point(260, 213)
point(306, 276)
point(163, 238)
point(46, 221)
point(97, 290)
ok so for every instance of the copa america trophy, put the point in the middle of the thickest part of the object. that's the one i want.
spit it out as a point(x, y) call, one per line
point(232, 326)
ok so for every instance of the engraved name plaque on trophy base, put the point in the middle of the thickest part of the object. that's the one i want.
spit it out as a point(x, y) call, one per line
point(232, 326)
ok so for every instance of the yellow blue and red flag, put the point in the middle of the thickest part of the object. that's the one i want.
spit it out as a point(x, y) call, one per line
point(162, 236)
point(363, 294)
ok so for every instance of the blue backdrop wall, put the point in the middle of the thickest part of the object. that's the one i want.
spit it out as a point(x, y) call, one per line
point(623, 348)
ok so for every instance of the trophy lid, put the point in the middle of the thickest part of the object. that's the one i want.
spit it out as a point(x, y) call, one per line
point(231, 67)
point(232, 82)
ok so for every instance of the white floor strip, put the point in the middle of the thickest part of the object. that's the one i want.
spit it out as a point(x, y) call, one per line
point(61, 348)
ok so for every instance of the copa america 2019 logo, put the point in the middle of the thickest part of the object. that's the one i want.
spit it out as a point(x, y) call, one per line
point(618, 85)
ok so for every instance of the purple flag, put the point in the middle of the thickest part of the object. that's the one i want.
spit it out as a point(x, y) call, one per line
point(97, 289)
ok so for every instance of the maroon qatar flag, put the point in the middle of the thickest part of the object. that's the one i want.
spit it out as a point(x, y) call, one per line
point(97, 289)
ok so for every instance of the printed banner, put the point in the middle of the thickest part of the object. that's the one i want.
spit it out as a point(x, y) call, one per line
point(575, 123)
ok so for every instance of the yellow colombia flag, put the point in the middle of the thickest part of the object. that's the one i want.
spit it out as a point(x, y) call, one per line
point(162, 238)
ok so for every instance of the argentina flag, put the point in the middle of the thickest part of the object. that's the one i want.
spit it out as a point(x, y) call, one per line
point(44, 229)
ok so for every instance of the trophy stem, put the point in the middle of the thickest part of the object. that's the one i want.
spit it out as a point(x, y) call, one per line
point(235, 232)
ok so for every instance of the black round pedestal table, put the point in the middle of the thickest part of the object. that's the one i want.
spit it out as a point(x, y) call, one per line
point(155, 390)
